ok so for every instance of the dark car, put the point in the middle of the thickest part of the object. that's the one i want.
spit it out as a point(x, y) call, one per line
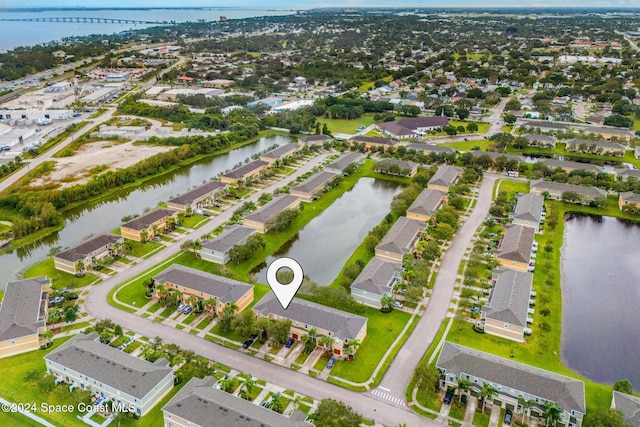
point(289, 343)
point(250, 341)
point(448, 396)
point(331, 362)
point(508, 415)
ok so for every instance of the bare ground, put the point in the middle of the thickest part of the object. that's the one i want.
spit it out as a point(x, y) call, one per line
point(105, 155)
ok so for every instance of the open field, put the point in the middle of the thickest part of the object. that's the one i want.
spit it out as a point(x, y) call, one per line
point(346, 126)
point(483, 144)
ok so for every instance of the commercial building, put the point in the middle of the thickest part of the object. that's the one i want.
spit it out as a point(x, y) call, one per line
point(202, 196)
point(34, 115)
point(399, 240)
point(375, 281)
point(341, 326)
point(110, 373)
point(262, 219)
point(206, 287)
point(23, 315)
point(412, 127)
point(89, 254)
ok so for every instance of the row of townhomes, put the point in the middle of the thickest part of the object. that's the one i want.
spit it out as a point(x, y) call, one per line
point(384, 271)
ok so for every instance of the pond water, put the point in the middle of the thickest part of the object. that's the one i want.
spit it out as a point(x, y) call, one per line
point(106, 215)
point(601, 298)
point(324, 245)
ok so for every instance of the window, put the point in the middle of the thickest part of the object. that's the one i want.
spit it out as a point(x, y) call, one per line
point(506, 326)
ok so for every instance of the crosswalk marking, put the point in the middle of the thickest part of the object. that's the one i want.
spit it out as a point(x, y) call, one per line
point(388, 397)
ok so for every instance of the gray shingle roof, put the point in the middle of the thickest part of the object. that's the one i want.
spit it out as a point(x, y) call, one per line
point(509, 300)
point(516, 243)
point(282, 151)
point(341, 324)
point(315, 139)
point(410, 126)
point(603, 144)
point(539, 138)
point(446, 176)
point(224, 289)
point(567, 392)
point(374, 140)
point(83, 249)
point(22, 309)
point(542, 185)
point(401, 237)
point(544, 124)
point(431, 147)
point(628, 172)
point(630, 196)
point(494, 155)
point(244, 170)
point(629, 406)
point(203, 405)
point(608, 130)
point(564, 164)
point(402, 164)
point(314, 182)
point(427, 202)
point(377, 277)
point(228, 239)
point(191, 196)
point(107, 365)
point(345, 160)
point(529, 207)
point(270, 210)
point(144, 221)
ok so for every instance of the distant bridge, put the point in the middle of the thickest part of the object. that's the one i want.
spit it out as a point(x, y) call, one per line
point(87, 20)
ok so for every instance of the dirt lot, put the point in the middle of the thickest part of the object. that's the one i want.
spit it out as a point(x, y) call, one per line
point(96, 157)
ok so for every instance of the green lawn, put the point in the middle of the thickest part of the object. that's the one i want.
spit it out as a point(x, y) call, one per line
point(480, 419)
point(483, 127)
point(59, 279)
point(195, 221)
point(16, 419)
point(203, 324)
point(190, 318)
point(155, 307)
point(484, 144)
point(382, 330)
point(1, 295)
point(347, 126)
point(139, 249)
point(457, 410)
point(510, 186)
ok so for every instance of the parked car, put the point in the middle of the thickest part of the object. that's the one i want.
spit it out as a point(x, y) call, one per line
point(188, 310)
point(5, 148)
point(205, 213)
point(447, 397)
point(182, 307)
point(265, 404)
point(198, 211)
point(289, 343)
point(397, 304)
point(247, 343)
point(332, 361)
point(508, 416)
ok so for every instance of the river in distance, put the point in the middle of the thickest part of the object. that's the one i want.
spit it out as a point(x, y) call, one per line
point(15, 34)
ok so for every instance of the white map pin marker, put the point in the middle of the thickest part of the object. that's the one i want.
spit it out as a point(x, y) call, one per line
point(285, 293)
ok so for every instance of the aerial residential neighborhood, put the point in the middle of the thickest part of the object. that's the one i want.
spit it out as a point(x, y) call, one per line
point(362, 214)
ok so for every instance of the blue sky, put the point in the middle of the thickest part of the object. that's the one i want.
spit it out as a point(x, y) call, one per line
point(300, 4)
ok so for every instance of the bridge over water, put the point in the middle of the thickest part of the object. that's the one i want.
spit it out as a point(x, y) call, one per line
point(88, 20)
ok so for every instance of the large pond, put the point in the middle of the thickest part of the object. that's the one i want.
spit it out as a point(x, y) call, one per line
point(601, 298)
point(96, 218)
point(324, 245)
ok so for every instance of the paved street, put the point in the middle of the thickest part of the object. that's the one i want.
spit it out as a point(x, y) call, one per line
point(399, 374)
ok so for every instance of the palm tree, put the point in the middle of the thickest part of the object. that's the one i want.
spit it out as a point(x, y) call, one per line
point(192, 300)
point(387, 301)
point(249, 382)
point(47, 336)
point(351, 346)
point(275, 404)
point(552, 413)
point(80, 265)
point(188, 211)
point(144, 236)
point(526, 405)
point(210, 305)
point(156, 230)
point(488, 392)
point(313, 334)
point(463, 385)
point(296, 402)
point(162, 291)
point(327, 342)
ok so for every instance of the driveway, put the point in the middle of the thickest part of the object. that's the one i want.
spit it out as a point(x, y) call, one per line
point(399, 374)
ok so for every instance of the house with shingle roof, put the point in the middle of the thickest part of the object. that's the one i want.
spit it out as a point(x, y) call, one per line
point(88, 254)
point(508, 309)
point(375, 281)
point(430, 148)
point(529, 210)
point(199, 197)
point(426, 204)
point(629, 198)
point(608, 132)
point(515, 247)
point(314, 139)
point(217, 250)
point(444, 178)
point(396, 167)
point(306, 315)
point(554, 190)
point(598, 147)
point(200, 404)
point(569, 166)
point(145, 226)
point(111, 373)
point(23, 315)
point(628, 405)
point(204, 286)
point(261, 220)
point(513, 379)
point(372, 142)
point(538, 140)
point(495, 155)
point(311, 187)
point(252, 170)
point(280, 153)
point(343, 162)
point(545, 126)
point(625, 173)
point(400, 239)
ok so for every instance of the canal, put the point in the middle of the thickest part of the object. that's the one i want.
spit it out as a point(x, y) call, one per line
point(106, 215)
point(601, 297)
point(324, 245)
